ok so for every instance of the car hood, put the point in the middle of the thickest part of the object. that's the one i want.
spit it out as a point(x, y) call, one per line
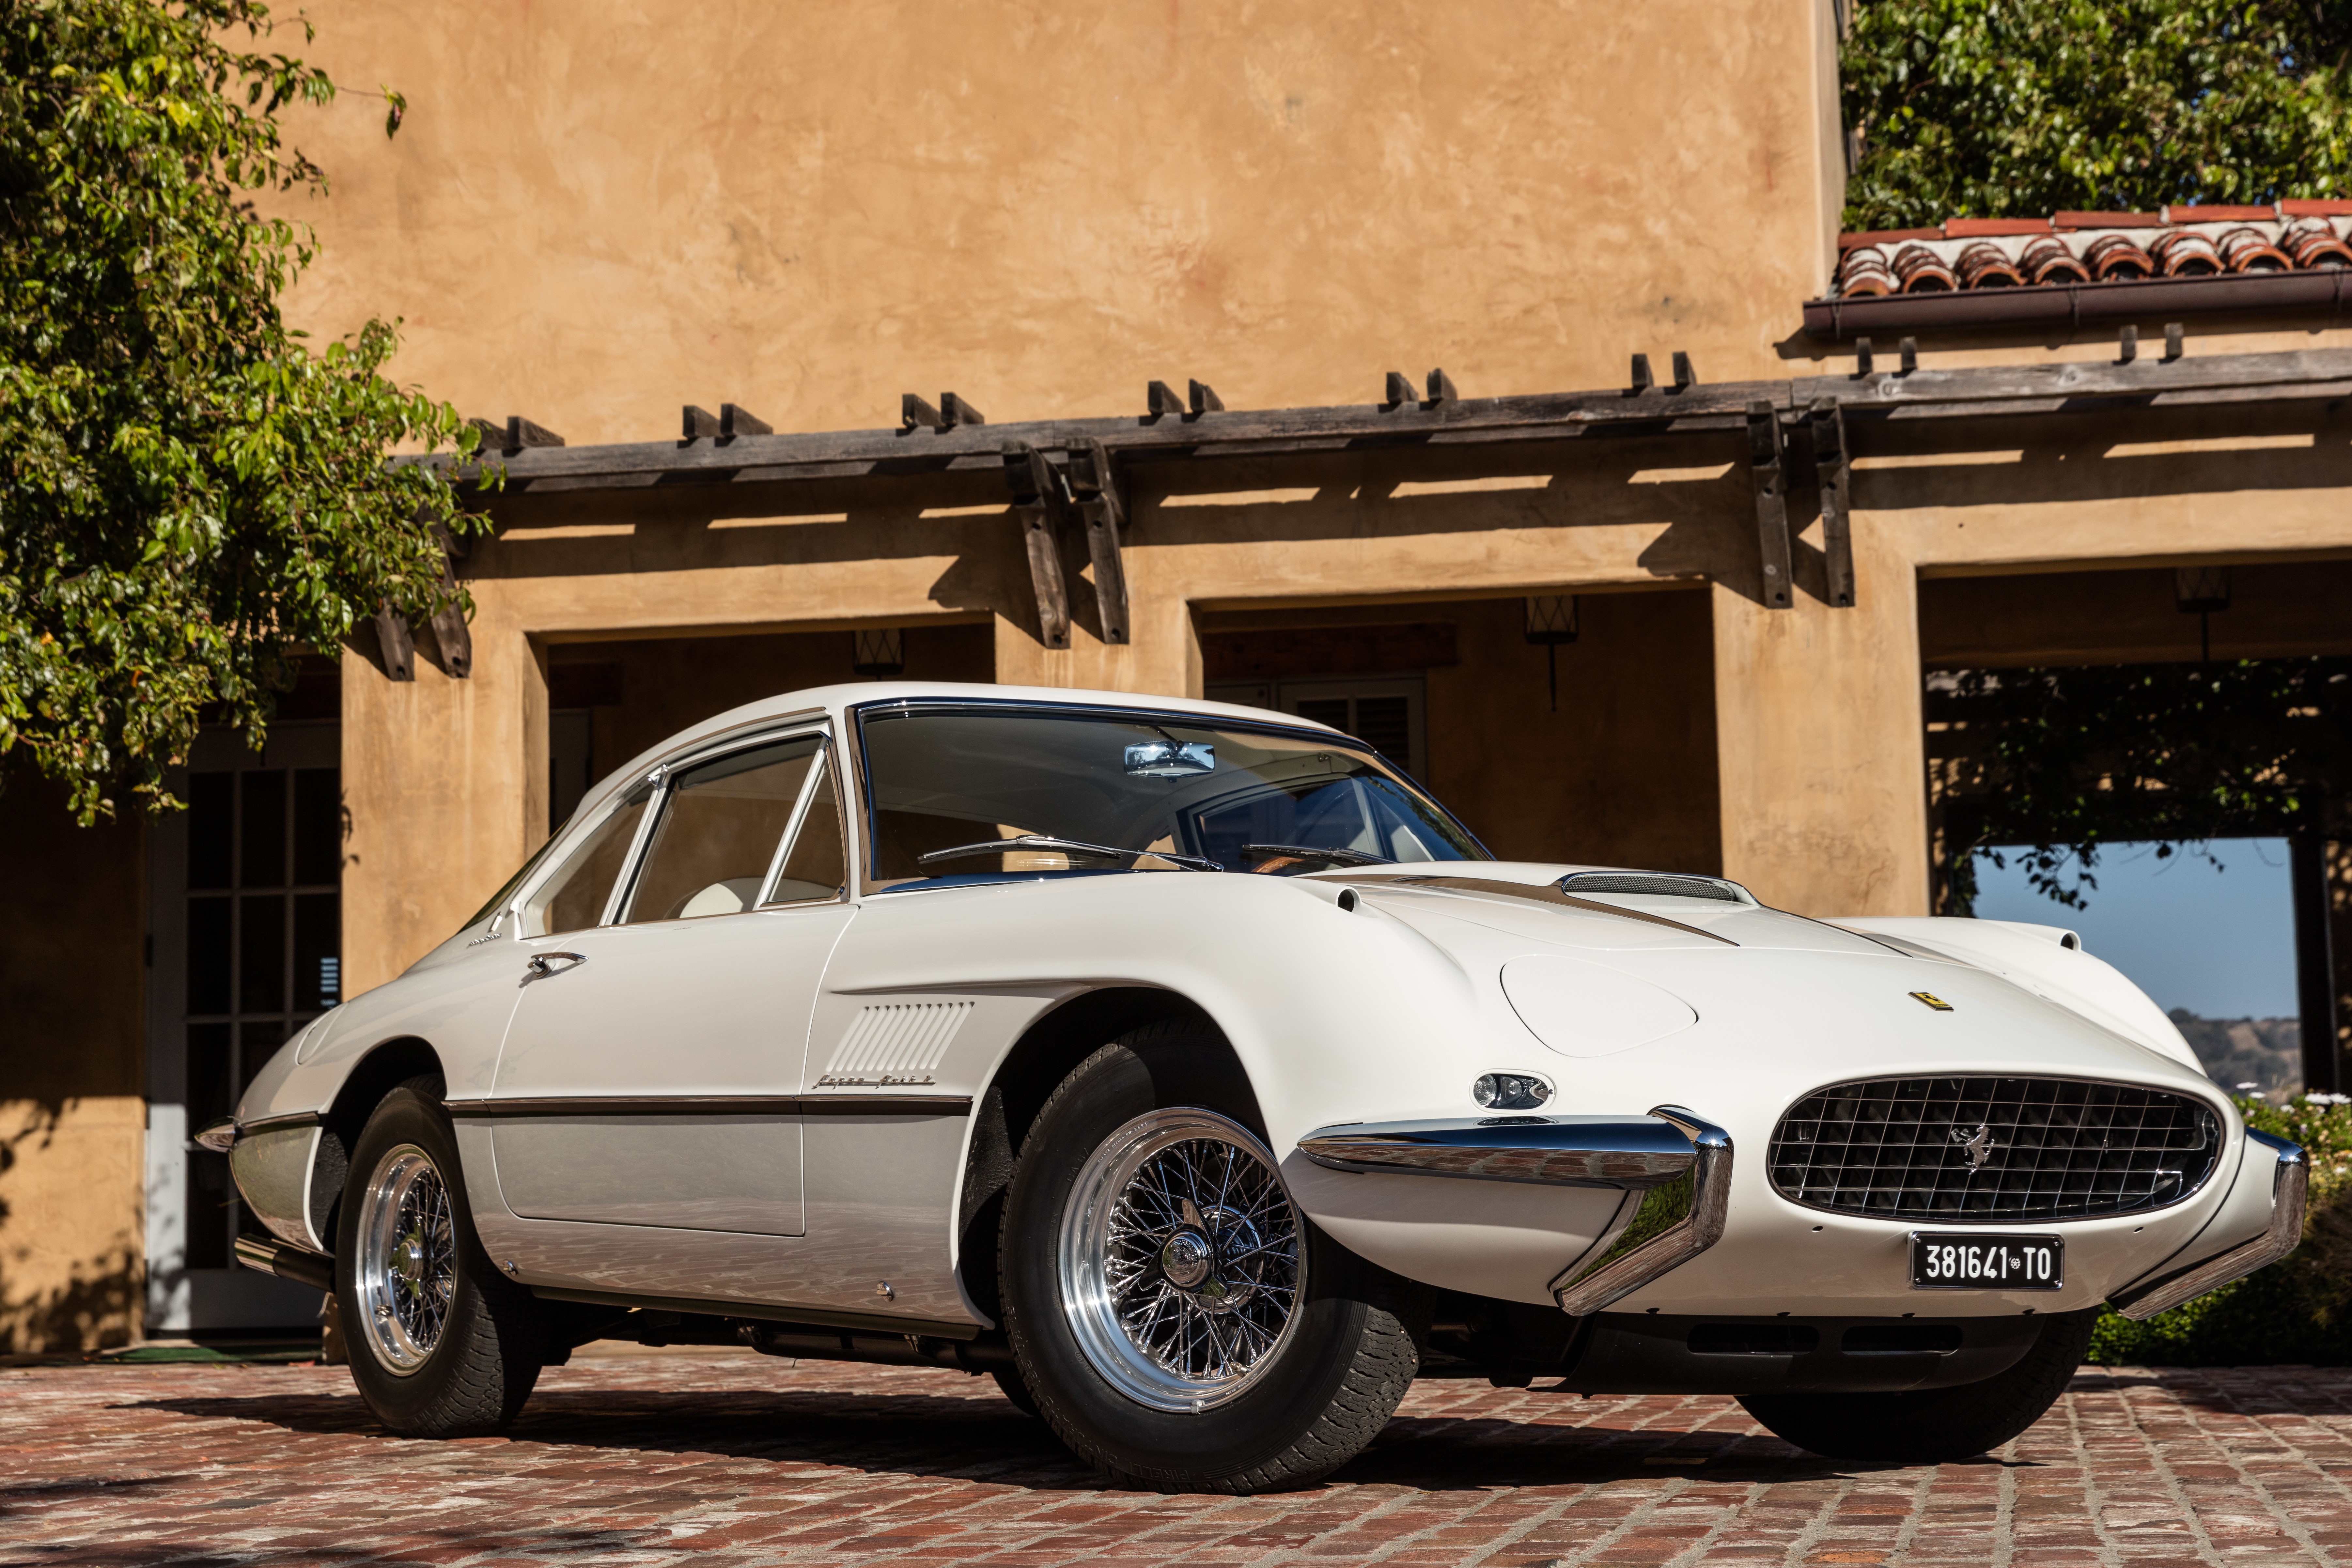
point(1608, 980)
point(1523, 898)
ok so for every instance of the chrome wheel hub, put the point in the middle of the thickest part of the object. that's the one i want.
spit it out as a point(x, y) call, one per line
point(406, 1270)
point(1181, 1260)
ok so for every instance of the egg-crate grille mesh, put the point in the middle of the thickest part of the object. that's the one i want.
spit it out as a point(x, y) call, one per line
point(2044, 1149)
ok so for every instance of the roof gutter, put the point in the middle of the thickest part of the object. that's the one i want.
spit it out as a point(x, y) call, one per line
point(2072, 305)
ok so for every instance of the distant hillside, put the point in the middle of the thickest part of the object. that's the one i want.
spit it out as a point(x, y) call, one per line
point(2267, 1052)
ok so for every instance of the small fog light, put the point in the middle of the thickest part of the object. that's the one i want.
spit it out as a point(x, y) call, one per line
point(1510, 1090)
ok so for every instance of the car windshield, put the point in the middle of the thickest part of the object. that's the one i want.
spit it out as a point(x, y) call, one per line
point(1094, 793)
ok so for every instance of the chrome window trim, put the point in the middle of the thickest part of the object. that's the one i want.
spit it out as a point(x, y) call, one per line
point(818, 773)
point(625, 886)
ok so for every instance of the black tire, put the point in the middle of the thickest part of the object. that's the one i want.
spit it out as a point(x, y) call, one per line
point(1326, 1391)
point(480, 1368)
point(1934, 1425)
point(1009, 1384)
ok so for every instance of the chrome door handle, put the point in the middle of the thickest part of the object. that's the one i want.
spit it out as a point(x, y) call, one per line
point(542, 964)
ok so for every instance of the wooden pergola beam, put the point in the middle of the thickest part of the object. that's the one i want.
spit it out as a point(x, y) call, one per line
point(927, 441)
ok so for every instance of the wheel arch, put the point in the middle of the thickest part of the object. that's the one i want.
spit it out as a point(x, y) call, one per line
point(1007, 1105)
point(384, 1067)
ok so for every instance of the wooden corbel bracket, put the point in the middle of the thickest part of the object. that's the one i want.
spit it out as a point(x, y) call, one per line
point(1832, 462)
point(1094, 490)
point(1039, 497)
point(1767, 462)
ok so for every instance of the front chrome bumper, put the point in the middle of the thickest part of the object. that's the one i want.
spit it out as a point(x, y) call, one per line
point(1632, 1153)
point(2290, 1192)
point(1677, 1161)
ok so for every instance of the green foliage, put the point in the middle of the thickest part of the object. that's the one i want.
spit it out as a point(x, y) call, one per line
point(2069, 760)
point(190, 494)
point(2022, 107)
point(2294, 1310)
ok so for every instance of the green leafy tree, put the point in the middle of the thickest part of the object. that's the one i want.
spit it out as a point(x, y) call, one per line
point(190, 493)
point(2022, 108)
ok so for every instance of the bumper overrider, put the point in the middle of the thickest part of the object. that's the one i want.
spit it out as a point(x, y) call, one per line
point(2173, 1283)
point(1674, 1165)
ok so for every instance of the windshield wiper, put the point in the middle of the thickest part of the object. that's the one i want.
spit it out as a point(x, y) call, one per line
point(1068, 846)
point(1301, 851)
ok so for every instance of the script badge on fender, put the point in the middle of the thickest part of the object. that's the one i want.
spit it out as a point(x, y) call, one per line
point(1929, 999)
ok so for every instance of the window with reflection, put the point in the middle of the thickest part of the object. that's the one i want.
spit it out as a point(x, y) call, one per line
point(720, 824)
point(963, 791)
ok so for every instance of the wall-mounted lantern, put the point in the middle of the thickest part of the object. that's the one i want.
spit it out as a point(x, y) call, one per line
point(879, 655)
point(1551, 621)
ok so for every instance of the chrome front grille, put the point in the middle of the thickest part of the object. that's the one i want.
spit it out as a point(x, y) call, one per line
point(1992, 1149)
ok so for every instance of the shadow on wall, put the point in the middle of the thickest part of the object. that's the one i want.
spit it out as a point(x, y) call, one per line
point(57, 1300)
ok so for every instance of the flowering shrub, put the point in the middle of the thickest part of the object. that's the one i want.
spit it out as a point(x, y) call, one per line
point(2298, 1309)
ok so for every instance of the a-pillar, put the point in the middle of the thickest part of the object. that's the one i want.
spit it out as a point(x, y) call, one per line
point(1820, 742)
point(445, 783)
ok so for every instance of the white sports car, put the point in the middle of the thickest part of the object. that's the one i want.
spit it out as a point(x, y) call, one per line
point(1189, 1070)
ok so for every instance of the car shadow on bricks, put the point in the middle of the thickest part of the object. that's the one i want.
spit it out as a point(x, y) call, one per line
point(938, 1437)
point(909, 1435)
point(1439, 1454)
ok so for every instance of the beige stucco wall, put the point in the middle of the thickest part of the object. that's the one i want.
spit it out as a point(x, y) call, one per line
point(598, 211)
point(72, 1071)
point(71, 1248)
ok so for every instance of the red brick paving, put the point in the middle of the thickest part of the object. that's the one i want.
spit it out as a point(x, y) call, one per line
point(727, 1462)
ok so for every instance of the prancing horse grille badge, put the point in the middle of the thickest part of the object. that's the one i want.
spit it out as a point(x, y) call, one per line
point(1975, 1147)
point(1929, 999)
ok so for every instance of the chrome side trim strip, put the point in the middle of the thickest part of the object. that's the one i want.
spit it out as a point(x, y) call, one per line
point(2290, 1191)
point(274, 1258)
point(1631, 1152)
point(715, 1105)
point(1669, 1225)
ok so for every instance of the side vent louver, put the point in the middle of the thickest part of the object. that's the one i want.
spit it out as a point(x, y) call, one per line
point(896, 1043)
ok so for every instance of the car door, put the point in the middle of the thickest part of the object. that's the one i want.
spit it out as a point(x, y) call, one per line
point(647, 1077)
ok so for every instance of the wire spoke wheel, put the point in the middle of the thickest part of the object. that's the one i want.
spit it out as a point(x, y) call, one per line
point(1181, 1267)
point(407, 1264)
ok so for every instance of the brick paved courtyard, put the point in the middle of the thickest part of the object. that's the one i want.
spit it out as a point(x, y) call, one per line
point(734, 1459)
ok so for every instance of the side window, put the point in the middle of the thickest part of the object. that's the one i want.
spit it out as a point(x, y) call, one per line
point(816, 867)
point(573, 898)
point(719, 830)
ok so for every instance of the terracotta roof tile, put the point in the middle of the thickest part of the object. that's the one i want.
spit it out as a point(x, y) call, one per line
point(2077, 248)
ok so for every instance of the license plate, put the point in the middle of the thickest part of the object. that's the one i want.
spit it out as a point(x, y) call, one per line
point(1952, 1260)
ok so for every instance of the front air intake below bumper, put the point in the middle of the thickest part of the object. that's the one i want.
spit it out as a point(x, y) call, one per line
point(1667, 1226)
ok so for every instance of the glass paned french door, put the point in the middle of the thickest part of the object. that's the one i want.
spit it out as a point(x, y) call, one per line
point(265, 847)
point(247, 912)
